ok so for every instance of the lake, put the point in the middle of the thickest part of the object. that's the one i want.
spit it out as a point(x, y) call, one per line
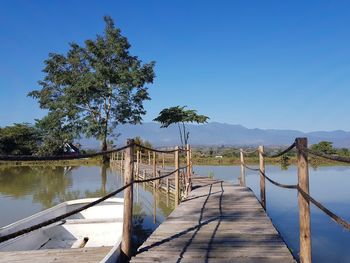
point(27, 190)
point(328, 185)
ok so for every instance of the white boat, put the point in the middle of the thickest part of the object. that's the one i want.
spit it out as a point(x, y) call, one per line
point(97, 226)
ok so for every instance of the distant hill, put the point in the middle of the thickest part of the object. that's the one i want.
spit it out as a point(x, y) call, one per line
point(215, 133)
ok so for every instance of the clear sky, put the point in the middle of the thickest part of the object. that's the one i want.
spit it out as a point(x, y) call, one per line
point(262, 64)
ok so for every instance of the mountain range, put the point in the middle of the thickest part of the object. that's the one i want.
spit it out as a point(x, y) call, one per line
point(217, 134)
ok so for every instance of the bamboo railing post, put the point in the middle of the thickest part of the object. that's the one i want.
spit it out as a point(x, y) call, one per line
point(262, 178)
point(304, 205)
point(154, 168)
point(188, 169)
point(149, 157)
point(137, 163)
point(242, 181)
point(128, 200)
point(177, 177)
point(163, 165)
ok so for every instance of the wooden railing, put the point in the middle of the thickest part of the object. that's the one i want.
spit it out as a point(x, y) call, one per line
point(128, 159)
point(302, 187)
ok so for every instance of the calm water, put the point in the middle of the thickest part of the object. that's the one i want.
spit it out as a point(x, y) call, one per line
point(328, 185)
point(27, 190)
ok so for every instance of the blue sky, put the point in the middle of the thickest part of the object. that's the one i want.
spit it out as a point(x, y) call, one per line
point(264, 64)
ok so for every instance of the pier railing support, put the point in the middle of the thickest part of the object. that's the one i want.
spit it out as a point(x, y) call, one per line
point(188, 169)
point(177, 176)
point(154, 168)
point(304, 205)
point(128, 200)
point(262, 178)
point(242, 179)
point(137, 163)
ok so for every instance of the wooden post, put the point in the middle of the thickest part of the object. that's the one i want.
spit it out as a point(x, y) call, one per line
point(304, 205)
point(149, 157)
point(177, 177)
point(128, 200)
point(242, 181)
point(158, 182)
point(163, 165)
point(188, 169)
point(154, 168)
point(262, 178)
point(137, 163)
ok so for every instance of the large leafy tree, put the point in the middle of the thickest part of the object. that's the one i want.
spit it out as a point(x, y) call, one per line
point(19, 139)
point(95, 87)
point(180, 115)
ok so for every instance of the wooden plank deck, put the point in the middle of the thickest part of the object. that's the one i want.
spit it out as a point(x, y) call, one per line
point(219, 222)
point(86, 255)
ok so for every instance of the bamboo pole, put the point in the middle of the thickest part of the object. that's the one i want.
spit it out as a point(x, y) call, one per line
point(177, 177)
point(154, 168)
point(304, 205)
point(149, 157)
point(163, 165)
point(242, 181)
point(128, 201)
point(188, 169)
point(137, 163)
point(262, 178)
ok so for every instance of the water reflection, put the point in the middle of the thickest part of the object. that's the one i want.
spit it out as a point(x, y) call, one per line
point(27, 190)
point(328, 184)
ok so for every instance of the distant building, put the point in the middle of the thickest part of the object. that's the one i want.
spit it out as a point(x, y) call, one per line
point(218, 156)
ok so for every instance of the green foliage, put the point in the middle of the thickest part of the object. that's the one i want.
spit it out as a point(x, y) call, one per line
point(343, 152)
point(177, 115)
point(54, 133)
point(138, 140)
point(19, 139)
point(94, 87)
point(324, 147)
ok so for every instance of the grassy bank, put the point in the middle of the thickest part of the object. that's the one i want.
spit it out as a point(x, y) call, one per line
point(77, 162)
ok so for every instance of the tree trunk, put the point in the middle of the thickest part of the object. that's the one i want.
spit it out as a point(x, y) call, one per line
point(105, 157)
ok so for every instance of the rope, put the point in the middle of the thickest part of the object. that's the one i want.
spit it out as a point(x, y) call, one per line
point(78, 156)
point(61, 217)
point(158, 151)
point(160, 177)
point(336, 218)
point(56, 158)
point(250, 152)
point(250, 168)
point(288, 186)
point(327, 156)
point(280, 153)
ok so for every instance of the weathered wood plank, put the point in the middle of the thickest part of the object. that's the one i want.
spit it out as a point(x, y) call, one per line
point(85, 255)
point(218, 222)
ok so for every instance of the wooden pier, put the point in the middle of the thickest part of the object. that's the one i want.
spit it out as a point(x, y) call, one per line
point(218, 222)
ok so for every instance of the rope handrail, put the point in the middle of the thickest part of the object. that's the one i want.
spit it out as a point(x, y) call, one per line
point(337, 158)
point(75, 211)
point(59, 157)
point(250, 152)
point(280, 153)
point(79, 156)
point(158, 151)
point(288, 186)
point(335, 217)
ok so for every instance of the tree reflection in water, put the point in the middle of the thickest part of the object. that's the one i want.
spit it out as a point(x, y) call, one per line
point(50, 185)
